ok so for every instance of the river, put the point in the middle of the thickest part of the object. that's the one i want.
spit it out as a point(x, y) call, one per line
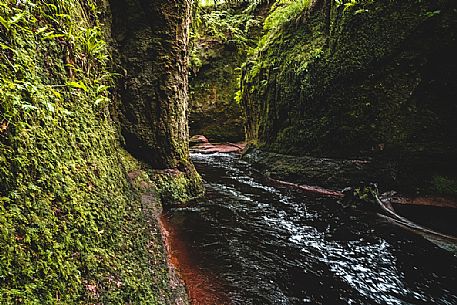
point(251, 242)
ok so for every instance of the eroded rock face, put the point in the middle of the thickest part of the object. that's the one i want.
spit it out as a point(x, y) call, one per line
point(382, 79)
point(213, 110)
point(152, 42)
point(372, 78)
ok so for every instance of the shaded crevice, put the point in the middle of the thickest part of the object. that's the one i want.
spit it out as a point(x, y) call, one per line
point(151, 42)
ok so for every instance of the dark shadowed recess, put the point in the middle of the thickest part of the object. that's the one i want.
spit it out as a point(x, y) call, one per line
point(151, 42)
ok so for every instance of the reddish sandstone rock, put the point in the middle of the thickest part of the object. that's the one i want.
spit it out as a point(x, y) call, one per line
point(197, 139)
point(210, 148)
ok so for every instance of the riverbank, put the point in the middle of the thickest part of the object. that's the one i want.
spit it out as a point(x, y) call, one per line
point(172, 287)
point(411, 179)
point(327, 177)
point(200, 144)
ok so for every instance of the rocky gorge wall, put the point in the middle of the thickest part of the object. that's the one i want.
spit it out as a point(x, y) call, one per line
point(214, 111)
point(221, 39)
point(151, 41)
point(358, 79)
point(152, 38)
point(77, 212)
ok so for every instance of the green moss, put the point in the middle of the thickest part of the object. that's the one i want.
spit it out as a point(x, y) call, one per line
point(73, 229)
point(220, 41)
point(445, 186)
point(176, 187)
point(379, 79)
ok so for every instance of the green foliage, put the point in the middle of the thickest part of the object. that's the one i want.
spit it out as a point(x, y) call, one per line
point(223, 26)
point(72, 230)
point(366, 193)
point(228, 25)
point(231, 3)
point(346, 4)
point(445, 185)
point(283, 12)
point(430, 14)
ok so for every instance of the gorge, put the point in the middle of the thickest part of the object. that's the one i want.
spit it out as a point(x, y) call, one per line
point(96, 100)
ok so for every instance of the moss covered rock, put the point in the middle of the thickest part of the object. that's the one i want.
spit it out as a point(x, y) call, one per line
point(73, 227)
point(152, 44)
point(221, 39)
point(213, 109)
point(365, 78)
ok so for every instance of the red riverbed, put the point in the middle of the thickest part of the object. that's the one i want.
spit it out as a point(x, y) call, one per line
point(202, 287)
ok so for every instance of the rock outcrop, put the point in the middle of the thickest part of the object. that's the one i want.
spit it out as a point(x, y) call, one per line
point(151, 39)
point(359, 79)
point(74, 227)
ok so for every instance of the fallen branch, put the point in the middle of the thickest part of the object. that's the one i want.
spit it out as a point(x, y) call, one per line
point(387, 208)
point(386, 211)
point(310, 189)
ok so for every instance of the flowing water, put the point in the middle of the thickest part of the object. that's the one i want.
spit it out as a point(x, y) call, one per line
point(256, 243)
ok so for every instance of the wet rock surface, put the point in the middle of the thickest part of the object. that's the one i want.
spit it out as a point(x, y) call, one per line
point(325, 172)
point(200, 144)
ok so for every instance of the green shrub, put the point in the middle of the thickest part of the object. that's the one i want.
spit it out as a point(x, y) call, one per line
point(445, 185)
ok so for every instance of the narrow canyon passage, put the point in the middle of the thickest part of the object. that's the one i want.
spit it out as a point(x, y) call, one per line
point(249, 242)
point(101, 99)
